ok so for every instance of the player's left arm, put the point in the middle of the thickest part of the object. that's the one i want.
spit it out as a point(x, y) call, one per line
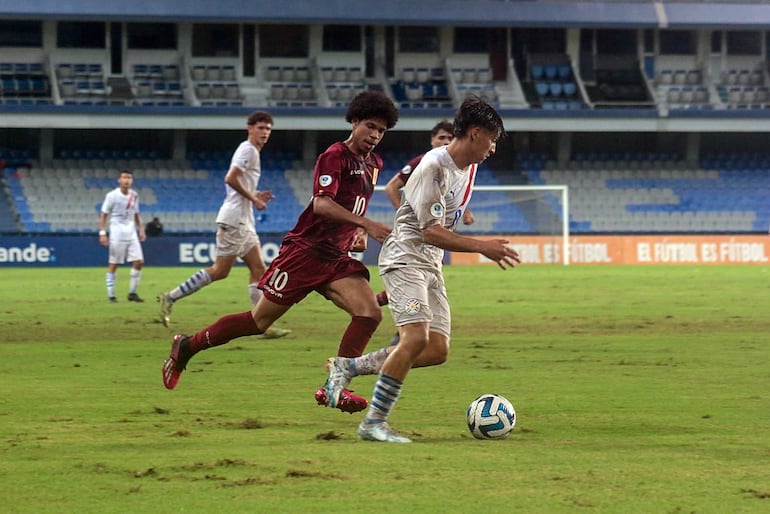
point(393, 190)
point(425, 192)
point(326, 206)
point(103, 228)
point(140, 226)
point(496, 250)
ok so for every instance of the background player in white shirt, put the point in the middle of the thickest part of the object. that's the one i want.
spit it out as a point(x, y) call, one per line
point(122, 206)
point(410, 264)
point(236, 231)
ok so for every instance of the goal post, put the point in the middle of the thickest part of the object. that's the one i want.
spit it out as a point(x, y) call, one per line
point(534, 217)
point(540, 217)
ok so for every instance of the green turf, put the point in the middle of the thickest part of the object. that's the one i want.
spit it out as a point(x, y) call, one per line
point(637, 389)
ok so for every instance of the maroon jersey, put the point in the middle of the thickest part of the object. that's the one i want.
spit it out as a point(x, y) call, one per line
point(407, 170)
point(349, 180)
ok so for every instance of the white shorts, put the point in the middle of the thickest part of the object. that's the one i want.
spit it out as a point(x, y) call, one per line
point(122, 251)
point(418, 295)
point(235, 241)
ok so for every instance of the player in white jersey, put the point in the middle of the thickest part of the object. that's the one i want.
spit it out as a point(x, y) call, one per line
point(410, 264)
point(122, 206)
point(236, 231)
point(440, 135)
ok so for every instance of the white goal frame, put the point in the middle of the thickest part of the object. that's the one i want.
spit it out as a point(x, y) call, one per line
point(563, 192)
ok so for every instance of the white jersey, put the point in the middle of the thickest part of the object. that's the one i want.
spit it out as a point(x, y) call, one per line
point(122, 209)
point(237, 210)
point(437, 193)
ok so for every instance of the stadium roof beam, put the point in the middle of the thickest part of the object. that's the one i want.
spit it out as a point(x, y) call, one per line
point(484, 13)
point(608, 120)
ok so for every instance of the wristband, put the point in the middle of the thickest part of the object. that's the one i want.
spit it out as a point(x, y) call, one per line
point(102, 233)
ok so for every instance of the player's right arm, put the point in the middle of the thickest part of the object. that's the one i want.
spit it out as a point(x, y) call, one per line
point(103, 228)
point(233, 179)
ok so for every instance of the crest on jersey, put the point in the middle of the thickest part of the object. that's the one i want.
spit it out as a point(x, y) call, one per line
point(412, 306)
point(325, 180)
point(437, 210)
point(244, 162)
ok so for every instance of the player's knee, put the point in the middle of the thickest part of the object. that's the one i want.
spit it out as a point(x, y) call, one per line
point(419, 347)
point(375, 314)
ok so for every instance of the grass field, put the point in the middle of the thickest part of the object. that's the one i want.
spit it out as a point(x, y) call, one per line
point(637, 389)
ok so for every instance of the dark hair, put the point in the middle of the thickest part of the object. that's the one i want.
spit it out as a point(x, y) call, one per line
point(258, 116)
point(444, 125)
point(370, 105)
point(475, 112)
point(126, 171)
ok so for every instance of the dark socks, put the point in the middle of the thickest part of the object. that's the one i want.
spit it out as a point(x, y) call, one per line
point(357, 336)
point(223, 331)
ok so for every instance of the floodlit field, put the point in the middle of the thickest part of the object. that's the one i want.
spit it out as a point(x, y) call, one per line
point(637, 389)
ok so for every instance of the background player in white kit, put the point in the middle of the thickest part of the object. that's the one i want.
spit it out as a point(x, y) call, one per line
point(410, 264)
point(122, 206)
point(236, 231)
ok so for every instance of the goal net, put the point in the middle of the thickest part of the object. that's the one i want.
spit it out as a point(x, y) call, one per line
point(534, 218)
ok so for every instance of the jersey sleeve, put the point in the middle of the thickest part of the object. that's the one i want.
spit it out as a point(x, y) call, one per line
point(241, 157)
point(424, 193)
point(408, 168)
point(327, 174)
point(107, 204)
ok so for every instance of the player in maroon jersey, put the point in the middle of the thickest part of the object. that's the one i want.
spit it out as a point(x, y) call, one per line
point(314, 255)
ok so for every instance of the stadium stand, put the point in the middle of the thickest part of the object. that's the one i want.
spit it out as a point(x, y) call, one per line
point(660, 193)
point(156, 85)
point(618, 82)
point(64, 195)
point(552, 83)
point(292, 86)
point(24, 83)
point(81, 83)
point(562, 88)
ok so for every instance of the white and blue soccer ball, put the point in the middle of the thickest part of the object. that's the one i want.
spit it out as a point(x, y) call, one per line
point(491, 416)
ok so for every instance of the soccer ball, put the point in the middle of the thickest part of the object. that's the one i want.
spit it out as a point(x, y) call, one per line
point(491, 416)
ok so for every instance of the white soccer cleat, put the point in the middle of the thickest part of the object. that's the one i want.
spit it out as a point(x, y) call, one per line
point(337, 380)
point(166, 304)
point(380, 432)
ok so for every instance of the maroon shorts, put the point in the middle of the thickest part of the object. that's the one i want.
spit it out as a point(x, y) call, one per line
point(296, 272)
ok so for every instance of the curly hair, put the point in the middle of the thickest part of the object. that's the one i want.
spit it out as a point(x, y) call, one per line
point(372, 105)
